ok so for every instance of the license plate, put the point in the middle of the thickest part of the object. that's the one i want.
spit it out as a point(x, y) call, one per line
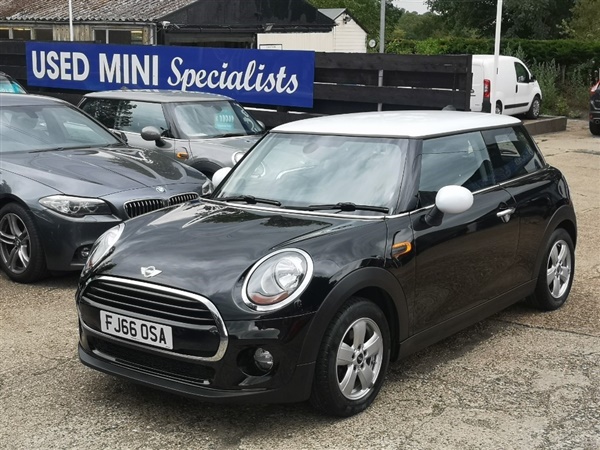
point(136, 330)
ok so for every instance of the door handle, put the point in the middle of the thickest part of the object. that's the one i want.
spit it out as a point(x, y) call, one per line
point(516, 88)
point(505, 214)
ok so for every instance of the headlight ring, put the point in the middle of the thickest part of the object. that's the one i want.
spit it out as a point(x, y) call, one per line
point(277, 279)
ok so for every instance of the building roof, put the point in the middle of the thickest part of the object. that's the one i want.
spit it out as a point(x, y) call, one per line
point(90, 10)
point(332, 13)
point(401, 124)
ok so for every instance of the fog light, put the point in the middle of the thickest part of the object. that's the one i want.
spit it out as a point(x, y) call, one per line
point(263, 359)
point(85, 252)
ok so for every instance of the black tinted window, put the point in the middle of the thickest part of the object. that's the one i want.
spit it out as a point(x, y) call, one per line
point(454, 160)
point(512, 153)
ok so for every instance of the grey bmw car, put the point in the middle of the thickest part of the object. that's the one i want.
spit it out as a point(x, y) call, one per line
point(65, 179)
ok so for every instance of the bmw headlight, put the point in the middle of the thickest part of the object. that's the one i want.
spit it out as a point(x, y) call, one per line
point(103, 246)
point(277, 279)
point(76, 206)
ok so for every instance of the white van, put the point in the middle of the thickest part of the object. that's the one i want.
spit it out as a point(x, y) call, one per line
point(517, 91)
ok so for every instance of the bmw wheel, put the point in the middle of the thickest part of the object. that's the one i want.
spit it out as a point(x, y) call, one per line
point(353, 359)
point(556, 274)
point(21, 254)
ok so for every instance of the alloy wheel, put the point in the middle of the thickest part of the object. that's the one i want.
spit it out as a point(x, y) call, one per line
point(558, 269)
point(359, 359)
point(15, 243)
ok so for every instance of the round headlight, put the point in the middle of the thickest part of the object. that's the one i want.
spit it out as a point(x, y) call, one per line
point(103, 246)
point(277, 279)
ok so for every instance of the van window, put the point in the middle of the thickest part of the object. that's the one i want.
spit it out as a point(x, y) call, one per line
point(522, 73)
point(511, 152)
point(458, 160)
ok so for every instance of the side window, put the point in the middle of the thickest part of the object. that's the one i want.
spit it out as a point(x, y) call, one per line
point(522, 74)
point(512, 153)
point(133, 116)
point(103, 110)
point(459, 160)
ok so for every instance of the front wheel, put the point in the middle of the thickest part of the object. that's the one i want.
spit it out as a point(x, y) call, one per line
point(353, 359)
point(556, 275)
point(21, 254)
point(595, 128)
point(534, 110)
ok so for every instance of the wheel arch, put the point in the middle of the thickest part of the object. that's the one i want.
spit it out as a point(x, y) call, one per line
point(564, 218)
point(374, 284)
point(206, 165)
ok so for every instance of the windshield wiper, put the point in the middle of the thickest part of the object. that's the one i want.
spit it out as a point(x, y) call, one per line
point(346, 207)
point(58, 149)
point(226, 135)
point(251, 200)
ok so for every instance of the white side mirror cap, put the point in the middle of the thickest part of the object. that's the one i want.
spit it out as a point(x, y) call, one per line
point(453, 199)
point(220, 175)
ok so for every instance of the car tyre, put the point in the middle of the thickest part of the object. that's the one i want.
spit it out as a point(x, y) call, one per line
point(21, 254)
point(534, 109)
point(556, 274)
point(595, 128)
point(352, 360)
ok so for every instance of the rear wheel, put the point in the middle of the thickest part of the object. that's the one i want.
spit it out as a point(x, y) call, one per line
point(353, 359)
point(595, 128)
point(21, 254)
point(534, 110)
point(556, 274)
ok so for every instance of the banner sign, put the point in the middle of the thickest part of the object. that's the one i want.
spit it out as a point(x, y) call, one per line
point(268, 77)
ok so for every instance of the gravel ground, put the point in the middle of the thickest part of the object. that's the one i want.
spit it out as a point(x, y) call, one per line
point(519, 380)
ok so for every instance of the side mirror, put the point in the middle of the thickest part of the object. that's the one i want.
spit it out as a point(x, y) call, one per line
point(151, 133)
point(533, 78)
point(220, 175)
point(449, 200)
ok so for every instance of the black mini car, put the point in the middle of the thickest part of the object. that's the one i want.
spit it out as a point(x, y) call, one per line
point(336, 245)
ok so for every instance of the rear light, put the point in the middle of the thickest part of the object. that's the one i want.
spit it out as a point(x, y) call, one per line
point(486, 88)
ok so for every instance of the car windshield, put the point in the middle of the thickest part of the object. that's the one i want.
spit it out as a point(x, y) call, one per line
point(9, 85)
point(26, 128)
point(213, 119)
point(320, 172)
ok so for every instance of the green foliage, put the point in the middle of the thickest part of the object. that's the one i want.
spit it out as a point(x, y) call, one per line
point(585, 24)
point(527, 19)
point(418, 26)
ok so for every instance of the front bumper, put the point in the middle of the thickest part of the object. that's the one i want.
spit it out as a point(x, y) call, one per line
point(64, 238)
point(211, 359)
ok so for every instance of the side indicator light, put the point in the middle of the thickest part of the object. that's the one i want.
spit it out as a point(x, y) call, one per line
point(401, 248)
point(182, 154)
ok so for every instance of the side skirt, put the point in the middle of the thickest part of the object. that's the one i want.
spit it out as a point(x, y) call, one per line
point(466, 319)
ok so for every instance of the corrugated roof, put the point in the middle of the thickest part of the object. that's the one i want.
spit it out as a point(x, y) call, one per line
point(90, 10)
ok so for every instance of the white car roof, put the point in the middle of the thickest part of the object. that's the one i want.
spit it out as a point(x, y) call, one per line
point(401, 124)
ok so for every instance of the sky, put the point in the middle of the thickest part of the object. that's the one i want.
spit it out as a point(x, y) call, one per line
point(412, 5)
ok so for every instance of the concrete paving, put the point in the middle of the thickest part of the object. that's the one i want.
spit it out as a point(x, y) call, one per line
point(519, 380)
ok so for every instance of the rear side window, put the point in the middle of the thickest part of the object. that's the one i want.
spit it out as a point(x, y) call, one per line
point(454, 160)
point(133, 116)
point(511, 152)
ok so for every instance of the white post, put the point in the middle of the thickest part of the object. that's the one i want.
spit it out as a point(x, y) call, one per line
point(381, 45)
point(496, 57)
point(71, 20)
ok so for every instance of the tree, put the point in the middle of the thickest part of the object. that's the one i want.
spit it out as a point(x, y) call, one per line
point(526, 19)
point(366, 13)
point(585, 24)
point(419, 26)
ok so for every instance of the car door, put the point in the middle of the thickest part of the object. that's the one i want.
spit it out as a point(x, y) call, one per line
point(469, 258)
point(522, 94)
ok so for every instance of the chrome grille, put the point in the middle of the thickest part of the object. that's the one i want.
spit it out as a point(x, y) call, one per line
point(138, 207)
point(148, 301)
point(182, 198)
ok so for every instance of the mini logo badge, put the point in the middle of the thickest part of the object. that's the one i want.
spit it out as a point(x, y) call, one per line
point(161, 189)
point(150, 271)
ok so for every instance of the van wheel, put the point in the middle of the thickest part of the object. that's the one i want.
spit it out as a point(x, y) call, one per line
point(595, 128)
point(498, 108)
point(352, 360)
point(556, 274)
point(534, 110)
